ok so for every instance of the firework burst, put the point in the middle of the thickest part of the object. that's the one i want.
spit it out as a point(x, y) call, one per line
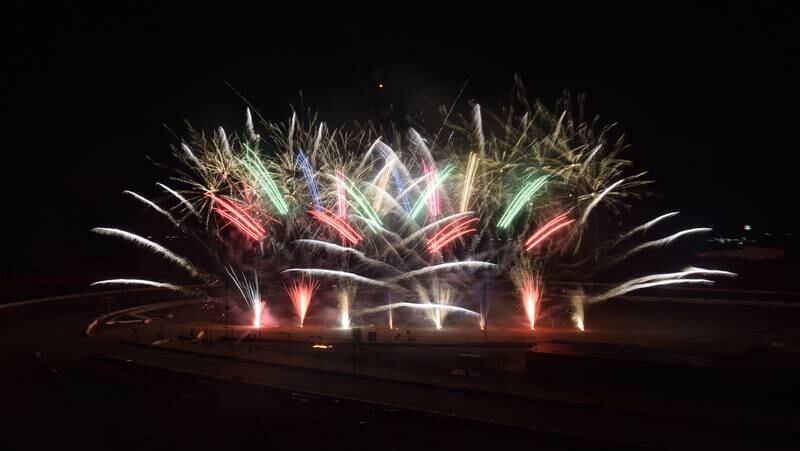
point(525, 193)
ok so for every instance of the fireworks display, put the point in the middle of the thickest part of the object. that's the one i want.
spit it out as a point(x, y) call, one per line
point(410, 219)
point(300, 292)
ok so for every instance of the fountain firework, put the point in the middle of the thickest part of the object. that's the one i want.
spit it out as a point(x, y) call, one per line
point(346, 295)
point(301, 292)
point(529, 286)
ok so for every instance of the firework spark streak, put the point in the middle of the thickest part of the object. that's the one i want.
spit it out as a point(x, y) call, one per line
point(519, 201)
point(155, 247)
point(342, 249)
point(429, 191)
point(147, 283)
point(264, 180)
point(237, 214)
point(432, 225)
point(250, 293)
point(308, 172)
point(544, 232)
point(192, 157)
point(661, 242)
point(432, 180)
point(341, 194)
point(597, 200)
point(339, 274)
point(589, 158)
point(645, 227)
point(450, 233)
point(655, 280)
point(154, 207)
point(345, 231)
point(182, 199)
point(301, 292)
point(373, 220)
point(391, 158)
point(469, 179)
point(443, 267)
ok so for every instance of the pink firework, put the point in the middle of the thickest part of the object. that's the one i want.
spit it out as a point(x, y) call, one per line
point(301, 292)
point(237, 214)
point(531, 292)
point(544, 232)
point(452, 231)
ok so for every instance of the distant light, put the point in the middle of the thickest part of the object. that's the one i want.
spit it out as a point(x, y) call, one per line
point(380, 85)
point(318, 346)
point(747, 227)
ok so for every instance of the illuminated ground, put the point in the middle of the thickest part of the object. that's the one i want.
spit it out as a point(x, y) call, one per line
point(413, 376)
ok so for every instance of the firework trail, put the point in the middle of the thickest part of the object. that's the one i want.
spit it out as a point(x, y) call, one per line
point(308, 172)
point(432, 181)
point(155, 247)
point(469, 179)
point(330, 273)
point(597, 200)
point(659, 243)
point(519, 201)
point(644, 227)
point(301, 292)
point(655, 280)
point(365, 208)
point(263, 179)
point(342, 249)
point(341, 195)
point(379, 185)
point(182, 199)
point(147, 283)
point(544, 232)
point(237, 214)
point(477, 126)
point(436, 181)
point(250, 293)
point(450, 233)
point(390, 157)
point(468, 264)
point(345, 231)
point(432, 225)
point(190, 155)
point(154, 207)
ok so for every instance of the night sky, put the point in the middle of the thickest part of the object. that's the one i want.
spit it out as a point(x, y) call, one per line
point(706, 96)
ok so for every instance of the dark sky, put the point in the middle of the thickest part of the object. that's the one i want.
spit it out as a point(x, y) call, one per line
point(707, 96)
